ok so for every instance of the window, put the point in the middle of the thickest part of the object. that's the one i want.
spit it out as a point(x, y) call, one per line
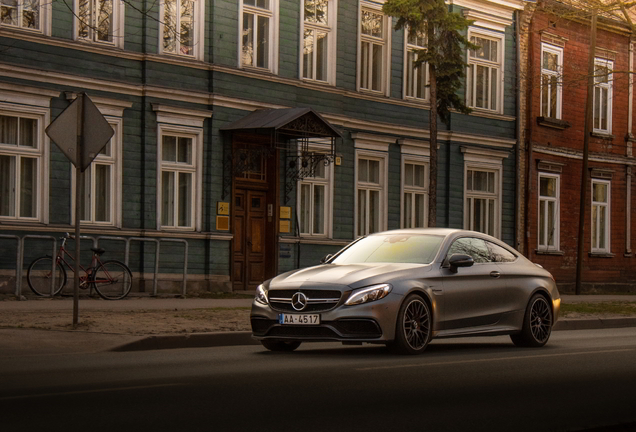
point(20, 164)
point(484, 77)
point(24, 14)
point(177, 180)
point(181, 28)
point(374, 46)
point(315, 201)
point(482, 201)
point(548, 212)
point(415, 194)
point(99, 21)
point(600, 215)
point(257, 34)
point(551, 69)
point(99, 191)
point(370, 194)
point(318, 44)
point(474, 247)
point(417, 79)
point(603, 96)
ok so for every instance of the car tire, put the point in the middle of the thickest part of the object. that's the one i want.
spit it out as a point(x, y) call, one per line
point(414, 325)
point(537, 323)
point(286, 346)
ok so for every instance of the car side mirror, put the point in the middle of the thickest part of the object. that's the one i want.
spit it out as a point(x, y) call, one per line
point(460, 260)
point(326, 258)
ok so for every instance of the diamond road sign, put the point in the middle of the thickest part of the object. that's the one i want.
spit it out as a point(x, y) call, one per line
point(93, 131)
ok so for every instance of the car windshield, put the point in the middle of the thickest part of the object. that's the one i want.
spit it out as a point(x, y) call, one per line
point(392, 248)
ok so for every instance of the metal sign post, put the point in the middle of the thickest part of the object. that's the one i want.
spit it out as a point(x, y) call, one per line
point(81, 132)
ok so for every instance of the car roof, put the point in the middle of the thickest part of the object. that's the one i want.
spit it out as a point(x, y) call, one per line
point(432, 231)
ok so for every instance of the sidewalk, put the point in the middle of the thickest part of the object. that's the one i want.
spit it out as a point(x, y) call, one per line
point(16, 342)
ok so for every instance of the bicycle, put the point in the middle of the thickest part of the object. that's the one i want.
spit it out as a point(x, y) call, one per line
point(111, 279)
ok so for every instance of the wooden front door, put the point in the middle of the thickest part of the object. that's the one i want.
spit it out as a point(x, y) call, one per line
point(250, 222)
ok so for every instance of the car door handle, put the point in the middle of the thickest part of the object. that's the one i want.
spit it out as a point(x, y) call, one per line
point(495, 274)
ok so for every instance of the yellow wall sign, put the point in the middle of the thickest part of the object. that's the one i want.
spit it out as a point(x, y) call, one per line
point(223, 223)
point(285, 213)
point(285, 226)
point(223, 208)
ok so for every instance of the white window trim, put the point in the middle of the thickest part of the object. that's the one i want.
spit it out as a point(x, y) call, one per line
point(14, 107)
point(485, 160)
point(607, 226)
point(273, 35)
point(199, 32)
point(116, 184)
point(383, 158)
point(416, 160)
point(559, 94)
point(46, 9)
point(472, 31)
point(610, 94)
point(118, 25)
point(329, 182)
point(332, 19)
point(386, 61)
point(408, 48)
point(557, 213)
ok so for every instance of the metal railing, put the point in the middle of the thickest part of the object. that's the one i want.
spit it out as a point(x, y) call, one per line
point(20, 241)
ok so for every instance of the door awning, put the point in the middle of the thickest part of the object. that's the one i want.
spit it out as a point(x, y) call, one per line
point(290, 122)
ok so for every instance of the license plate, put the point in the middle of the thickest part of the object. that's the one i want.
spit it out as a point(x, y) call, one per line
point(299, 319)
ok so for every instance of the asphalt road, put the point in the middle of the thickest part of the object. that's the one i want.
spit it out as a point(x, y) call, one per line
point(581, 380)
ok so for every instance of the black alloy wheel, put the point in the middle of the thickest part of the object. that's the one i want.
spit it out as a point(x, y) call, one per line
point(414, 325)
point(537, 324)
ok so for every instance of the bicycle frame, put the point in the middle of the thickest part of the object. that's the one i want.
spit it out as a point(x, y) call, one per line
point(60, 258)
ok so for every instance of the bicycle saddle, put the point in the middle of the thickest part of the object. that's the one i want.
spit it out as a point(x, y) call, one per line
point(98, 251)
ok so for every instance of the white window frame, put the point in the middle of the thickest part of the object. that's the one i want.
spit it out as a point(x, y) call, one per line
point(471, 93)
point(330, 30)
point(44, 18)
point(411, 73)
point(40, 153)
point(596, 208)
point(273, 16)
point(600, 86)
point(197, 38)
point(478, 159)
point(114, 160)
point(543, 243)
point(384, 42)
point(380, 187)
point(312, 182)
point(422, 190)
point(117, 18)
point(558, 51)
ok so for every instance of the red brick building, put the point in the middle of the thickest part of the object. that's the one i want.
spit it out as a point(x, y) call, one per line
point(557, 46)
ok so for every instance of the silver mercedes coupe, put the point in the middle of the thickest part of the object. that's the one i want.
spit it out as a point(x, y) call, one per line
point(405, 287)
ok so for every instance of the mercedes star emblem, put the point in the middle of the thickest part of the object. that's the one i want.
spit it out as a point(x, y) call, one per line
point(299, 301)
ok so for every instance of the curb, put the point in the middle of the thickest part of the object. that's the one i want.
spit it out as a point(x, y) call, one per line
point(221, 339)
point(196, 340)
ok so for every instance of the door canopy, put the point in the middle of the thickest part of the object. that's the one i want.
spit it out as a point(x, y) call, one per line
point(306, 138)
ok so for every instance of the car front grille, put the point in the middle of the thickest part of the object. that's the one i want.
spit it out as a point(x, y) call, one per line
point(342, 329)
point(317, 300)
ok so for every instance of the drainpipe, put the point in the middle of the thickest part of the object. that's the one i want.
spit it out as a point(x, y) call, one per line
point(519, 218)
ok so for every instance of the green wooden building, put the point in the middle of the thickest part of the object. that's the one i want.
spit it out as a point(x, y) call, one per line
point(264, 133)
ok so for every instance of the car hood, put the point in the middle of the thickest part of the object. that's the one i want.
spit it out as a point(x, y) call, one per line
point(351, 275)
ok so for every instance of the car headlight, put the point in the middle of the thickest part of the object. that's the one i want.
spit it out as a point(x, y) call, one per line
point(368, 294)
point(261, 295)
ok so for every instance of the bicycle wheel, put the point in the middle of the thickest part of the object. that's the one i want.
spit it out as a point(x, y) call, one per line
point(39, 276)
point(112, 280)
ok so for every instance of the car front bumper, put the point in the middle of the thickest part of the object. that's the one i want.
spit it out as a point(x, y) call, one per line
point(370, 322)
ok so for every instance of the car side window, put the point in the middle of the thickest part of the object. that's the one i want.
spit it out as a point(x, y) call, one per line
point(500, 254)
point(474, 247)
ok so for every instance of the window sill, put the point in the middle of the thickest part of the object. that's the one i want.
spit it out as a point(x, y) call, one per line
point(601, 255)
point(549, 252)
point(553, 123)
point(602, 135)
